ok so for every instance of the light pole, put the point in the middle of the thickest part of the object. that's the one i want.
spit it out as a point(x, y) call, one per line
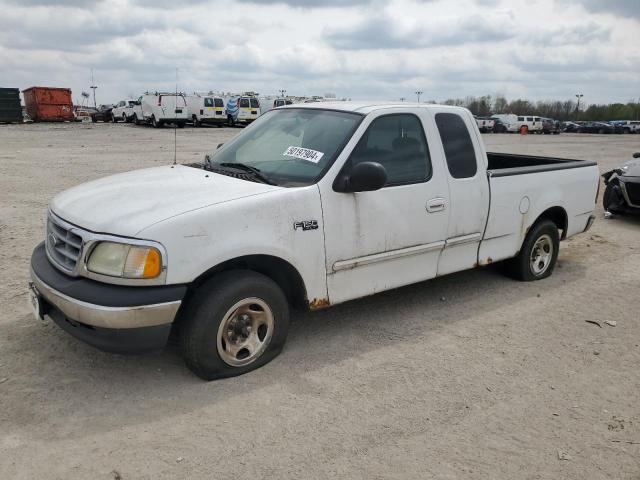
point(578, 96)
point(282, 92)
point(402, 99)
point(93, 87)
point(418, 93)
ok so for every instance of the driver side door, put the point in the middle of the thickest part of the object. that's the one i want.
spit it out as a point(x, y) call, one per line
point(393, 236)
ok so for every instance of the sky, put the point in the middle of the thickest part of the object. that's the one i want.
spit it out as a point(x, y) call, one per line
point(361, 49)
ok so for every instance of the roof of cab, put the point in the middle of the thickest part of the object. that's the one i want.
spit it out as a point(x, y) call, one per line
point(367, 107)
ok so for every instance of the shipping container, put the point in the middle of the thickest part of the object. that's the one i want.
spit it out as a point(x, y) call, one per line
point(47, 104)
point(10, 108)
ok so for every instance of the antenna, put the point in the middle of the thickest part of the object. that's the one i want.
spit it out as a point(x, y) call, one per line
point(175, 123)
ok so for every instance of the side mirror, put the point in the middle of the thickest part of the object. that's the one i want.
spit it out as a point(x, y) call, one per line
point(636, 155)
point(219, 145)
point(364, 177)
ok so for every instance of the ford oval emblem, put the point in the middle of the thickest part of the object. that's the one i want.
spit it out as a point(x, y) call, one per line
point(53, 241)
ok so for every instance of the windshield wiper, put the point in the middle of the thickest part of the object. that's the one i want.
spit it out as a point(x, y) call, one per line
point(255, 172)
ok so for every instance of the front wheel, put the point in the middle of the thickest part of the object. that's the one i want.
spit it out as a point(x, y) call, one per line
point(235, 322)
point(538, 255)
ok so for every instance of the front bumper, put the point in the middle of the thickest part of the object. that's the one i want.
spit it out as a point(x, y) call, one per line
point(110, 317)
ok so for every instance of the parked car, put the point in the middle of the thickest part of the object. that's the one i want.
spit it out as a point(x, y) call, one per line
point(206, 110)
point(160, 108)
point(82, 113)
point(242, 109)
point(297, 210)
point(550, 126)
point(485, 124)
point(124, 111)
point(103, 114)
point(498, 126)
point(281, 102)
point(622, 192)
point(571, 127)
point(599, 128)
point(627, 126)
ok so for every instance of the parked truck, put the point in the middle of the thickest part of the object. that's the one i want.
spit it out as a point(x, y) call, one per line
point(310, 206)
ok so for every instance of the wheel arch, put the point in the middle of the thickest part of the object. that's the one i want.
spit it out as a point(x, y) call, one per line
point(558, 215)
point(280, 271)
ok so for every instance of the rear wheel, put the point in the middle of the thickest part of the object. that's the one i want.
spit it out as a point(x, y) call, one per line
point(135, 119)
point(538, 255)
point(180, 124)
point(235, 322)
point(196, 122)
point(155, 122)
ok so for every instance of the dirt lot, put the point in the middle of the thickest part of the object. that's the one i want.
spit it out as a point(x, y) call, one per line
point(468, 376)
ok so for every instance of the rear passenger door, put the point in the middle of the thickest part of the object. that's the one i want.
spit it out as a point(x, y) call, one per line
point(465, 159)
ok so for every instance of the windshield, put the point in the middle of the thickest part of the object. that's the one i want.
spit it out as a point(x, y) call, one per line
point(292, 147)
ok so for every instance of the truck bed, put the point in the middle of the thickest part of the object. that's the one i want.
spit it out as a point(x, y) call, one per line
point(506, 164)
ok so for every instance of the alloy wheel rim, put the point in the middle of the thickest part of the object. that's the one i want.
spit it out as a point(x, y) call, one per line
point(541, 255)
point(245, 332)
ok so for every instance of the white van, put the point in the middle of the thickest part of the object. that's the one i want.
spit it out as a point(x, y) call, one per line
point(516, 123)
point(160, 108)
point(206, 109)
point(242, 108)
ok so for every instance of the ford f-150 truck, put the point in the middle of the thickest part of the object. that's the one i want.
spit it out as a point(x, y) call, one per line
point(311, 206)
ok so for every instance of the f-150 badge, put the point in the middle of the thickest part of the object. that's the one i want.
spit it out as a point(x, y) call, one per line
point(306, 225)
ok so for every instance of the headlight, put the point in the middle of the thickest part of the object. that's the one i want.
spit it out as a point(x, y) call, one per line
point(125, 261)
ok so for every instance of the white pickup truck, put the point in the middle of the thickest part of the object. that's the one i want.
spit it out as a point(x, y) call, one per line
point(309, 207)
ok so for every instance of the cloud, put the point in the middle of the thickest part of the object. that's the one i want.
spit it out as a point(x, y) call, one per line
point(310, 3)
point(385, 32)
point(625, 8)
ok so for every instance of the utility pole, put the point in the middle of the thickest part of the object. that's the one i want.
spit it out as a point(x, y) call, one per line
point(93, 87)
point(578, 96)
point(282, 92)
point(418, 93)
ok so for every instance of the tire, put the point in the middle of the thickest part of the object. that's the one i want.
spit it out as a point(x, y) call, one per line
point(208, 329)
point(154, 122)
point(136, 121)
point(196, 122)
point(180, 124)
point(94, 119)
point(541, 235)
point(114, 119)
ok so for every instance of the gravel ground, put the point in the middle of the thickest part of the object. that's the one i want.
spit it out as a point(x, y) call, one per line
point(468, 376)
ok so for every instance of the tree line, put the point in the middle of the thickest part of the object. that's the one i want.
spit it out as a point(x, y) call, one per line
point(560, 110)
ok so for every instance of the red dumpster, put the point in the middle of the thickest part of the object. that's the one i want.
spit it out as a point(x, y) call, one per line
point(47, 104)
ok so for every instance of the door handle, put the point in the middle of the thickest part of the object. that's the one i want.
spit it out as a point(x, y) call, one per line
point(436, 205)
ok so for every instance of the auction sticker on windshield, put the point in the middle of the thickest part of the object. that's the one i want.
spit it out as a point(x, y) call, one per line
point(304, 154)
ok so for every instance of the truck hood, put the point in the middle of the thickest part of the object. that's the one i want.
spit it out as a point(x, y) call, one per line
point(126, 203)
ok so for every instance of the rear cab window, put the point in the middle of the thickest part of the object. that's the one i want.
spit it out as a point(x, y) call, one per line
point(457, 144)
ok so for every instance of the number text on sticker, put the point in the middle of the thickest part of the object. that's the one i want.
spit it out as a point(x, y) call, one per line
point(304, 154)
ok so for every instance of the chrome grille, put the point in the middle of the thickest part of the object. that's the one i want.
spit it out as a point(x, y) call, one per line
point(63, 245)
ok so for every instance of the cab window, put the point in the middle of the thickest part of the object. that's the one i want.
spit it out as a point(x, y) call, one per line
point(458, 147)
point(398, 143)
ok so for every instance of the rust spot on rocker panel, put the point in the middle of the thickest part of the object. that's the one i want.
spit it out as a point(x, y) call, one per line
point(319, 303)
